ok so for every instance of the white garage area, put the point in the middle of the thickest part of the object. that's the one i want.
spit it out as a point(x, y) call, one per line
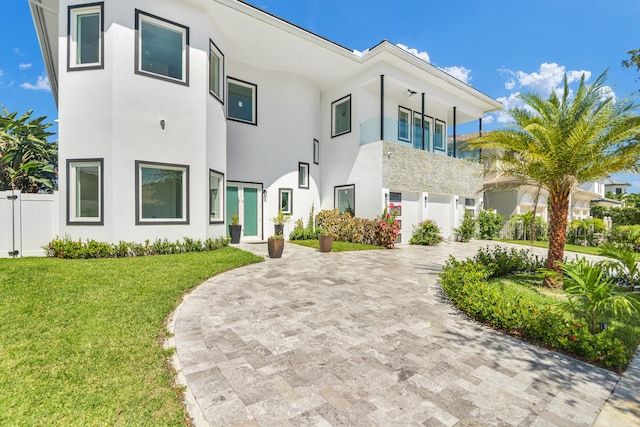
point(440, 210)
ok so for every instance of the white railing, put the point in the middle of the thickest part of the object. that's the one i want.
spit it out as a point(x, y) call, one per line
point(27, 222)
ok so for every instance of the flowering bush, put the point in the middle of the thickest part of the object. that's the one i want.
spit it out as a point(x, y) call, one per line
point(389, 226)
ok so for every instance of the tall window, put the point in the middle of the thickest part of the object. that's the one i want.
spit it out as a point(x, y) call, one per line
point(404, 124)
point(162, 48)
point(84, 36)
point(216, 197)
point(216, 71)
point(242, 101)
point(303, 175)
point(345, 198)
point(341, 116)
point(316, 151)
point(162, 193)
point(439, 136)
point(85, 191)
point(285, 200)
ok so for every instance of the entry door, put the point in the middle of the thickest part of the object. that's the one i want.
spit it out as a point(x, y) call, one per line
point(244, 200)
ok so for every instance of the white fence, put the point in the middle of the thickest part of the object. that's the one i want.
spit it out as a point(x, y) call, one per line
point(27, 222)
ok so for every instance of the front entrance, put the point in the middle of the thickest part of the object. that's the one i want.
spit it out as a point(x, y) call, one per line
point(244, 200)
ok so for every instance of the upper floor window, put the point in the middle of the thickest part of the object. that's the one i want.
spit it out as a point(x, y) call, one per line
point(242, 102)
point(439, 135)
point(404, 123)
point(341, 116)
point(216, 71)
point(162, 48)
point(84, 36)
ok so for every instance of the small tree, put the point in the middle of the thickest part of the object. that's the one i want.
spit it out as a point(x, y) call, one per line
point(489, 224)
point(27, 161)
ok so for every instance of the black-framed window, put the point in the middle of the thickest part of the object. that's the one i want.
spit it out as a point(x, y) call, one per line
point(404, 124)
point(316, 151)
point(303, 175)
point(439, 135)
point(341, 116)
point(85, 41)
point(162, 193)
point(216, 71)
point(216, 197)
point(242, 101)
point(285, 200)
point(344, 198)
point(85, 191)
point(162, 48)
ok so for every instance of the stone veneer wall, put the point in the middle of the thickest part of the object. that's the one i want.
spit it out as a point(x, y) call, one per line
point(409, 169)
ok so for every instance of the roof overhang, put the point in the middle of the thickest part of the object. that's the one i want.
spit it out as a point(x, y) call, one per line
point(45, 19)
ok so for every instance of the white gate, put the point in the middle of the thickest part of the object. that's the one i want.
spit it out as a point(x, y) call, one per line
point(27, 222)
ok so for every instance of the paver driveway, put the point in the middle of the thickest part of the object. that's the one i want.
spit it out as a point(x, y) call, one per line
point(365, 338)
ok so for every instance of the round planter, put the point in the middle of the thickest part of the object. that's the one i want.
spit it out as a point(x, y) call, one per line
point(275, 246)
point(325, 243)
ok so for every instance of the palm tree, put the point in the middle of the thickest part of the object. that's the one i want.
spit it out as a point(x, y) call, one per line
point(563, 141)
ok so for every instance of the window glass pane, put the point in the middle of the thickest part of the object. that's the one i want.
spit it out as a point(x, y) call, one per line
point(88, 38)
point(427, 134)
point(215, 196)
point(303, 175)
point(438, 138)
point(345, 199)
point(285, 206)
point(87, 194)
point(214, 73)
point(404, 119)
point(240, 102)
point(161, 50)
point(417, 132)
point(161, 193)
point(342, 117)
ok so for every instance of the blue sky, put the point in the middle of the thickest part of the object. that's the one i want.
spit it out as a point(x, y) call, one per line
point(500, 47)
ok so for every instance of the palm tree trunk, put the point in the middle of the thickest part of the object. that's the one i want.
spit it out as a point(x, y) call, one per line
point(559, 204)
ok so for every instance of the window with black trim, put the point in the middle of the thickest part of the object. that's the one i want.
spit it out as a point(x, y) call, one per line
point(316, 151)
point(162, 193)
point(216, 71)
point(85, 42)
point(162, 48)
point(285, 200)
point(341, 116)
point(404, 124)
point(345, 198)
point(85, 186)
point(303, 175)
point(216, 197)
point(439, 134)
point(242, 99)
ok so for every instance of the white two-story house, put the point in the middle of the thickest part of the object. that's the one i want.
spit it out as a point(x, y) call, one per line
point(174, 116)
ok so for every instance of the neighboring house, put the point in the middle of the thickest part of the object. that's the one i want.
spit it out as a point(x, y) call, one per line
point(614, 186)
point(175, 116)
point(508, 196)
point(600, 189)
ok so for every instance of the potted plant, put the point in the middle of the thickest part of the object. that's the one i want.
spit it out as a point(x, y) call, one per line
point(275, 244)
point(279, 221)
point(325, 240)
point(235, 229)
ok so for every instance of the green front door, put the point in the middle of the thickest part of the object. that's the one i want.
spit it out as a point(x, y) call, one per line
point(233, 203)
point(250, 224)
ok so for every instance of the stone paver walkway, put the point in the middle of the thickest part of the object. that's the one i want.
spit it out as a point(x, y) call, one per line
point(365, 338)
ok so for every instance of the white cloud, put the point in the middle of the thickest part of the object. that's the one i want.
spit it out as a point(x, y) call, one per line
point(41, 84)
point(487, 119)
point(459, 72)
point(547, 79)
point(24, 66)
point(510, 84)
point(607, 92)
point(422, 55)
point(16, 50)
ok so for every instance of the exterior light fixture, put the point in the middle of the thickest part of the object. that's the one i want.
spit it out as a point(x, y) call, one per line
point(162, 124)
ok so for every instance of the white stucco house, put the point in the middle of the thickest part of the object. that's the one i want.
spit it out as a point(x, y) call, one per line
point(176, 115)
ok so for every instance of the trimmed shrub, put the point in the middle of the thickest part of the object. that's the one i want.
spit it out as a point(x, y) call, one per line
point(426, 233)
point(77, 249)
point(346, 228)
point(467, 229)
point(626, 236)
point(500, 261)
point(489, 224)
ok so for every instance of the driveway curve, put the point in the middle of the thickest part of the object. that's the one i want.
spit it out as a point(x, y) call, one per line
point(365, 338)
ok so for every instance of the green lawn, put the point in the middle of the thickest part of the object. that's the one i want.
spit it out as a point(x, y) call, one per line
point(571, 248)
point(337, 246)
point(81, 340)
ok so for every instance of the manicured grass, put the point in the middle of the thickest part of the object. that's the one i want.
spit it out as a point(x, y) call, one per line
point(570, 248)
point(337, 246)
point(81, 340)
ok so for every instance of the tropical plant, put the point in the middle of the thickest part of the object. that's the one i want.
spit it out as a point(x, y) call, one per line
point(27, 161)
point(593, 294)
point(467, 229)
point(623, 266)
point(281, 218)
point(562, 141)
point(489, 224)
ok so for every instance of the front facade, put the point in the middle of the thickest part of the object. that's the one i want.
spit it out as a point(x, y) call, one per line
point(176, 116)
